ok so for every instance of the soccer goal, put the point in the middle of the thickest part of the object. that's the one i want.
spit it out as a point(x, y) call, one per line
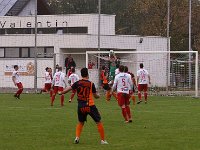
point(172, 73)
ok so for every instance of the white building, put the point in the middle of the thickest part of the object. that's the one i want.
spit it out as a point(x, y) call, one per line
point(62, 35)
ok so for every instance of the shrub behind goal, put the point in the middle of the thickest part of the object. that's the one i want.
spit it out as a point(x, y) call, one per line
point(172, 73)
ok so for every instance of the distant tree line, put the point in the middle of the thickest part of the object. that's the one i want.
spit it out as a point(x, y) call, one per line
point(142, 17)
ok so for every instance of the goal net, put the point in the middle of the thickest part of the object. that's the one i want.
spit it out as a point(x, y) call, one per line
point(172, 73)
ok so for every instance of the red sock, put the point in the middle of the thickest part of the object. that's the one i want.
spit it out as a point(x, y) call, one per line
point(79, 128)
point(51, 92)
point(101, 130)
point(145, 96)
point(128, 112)
point(140, 96)
point(62, 100)
point(124, 113)
point(52, 99)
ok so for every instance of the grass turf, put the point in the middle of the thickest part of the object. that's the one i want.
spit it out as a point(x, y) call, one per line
point(165, 123)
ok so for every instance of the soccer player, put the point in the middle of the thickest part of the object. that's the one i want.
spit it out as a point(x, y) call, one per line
point(123, 84)
point(58, 84)
point(48, 81)
point(106, 86)
point(134, 84)
point(69, 72)
point(85, 92)
point(143, 78)
point(71, 80)
point(17, 82)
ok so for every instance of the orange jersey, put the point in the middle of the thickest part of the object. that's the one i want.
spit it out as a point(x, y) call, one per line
point(85, 90)
point(104, 77)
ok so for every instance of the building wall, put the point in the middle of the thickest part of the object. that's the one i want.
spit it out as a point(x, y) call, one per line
point(55, 21)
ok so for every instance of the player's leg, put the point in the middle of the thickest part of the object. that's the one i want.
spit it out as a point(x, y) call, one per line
point(60, 89)
point(50, 90)
point(127, 103)
point(140, 88)
point(133, 96)
point(82, 116)
point(145, 92)
point(72, 95)
point(114, 94)
point(121, 103)
point(20, 90)
point(133, 99)
point(44, 89)
point(55, 91)
point(108, 91)
point(94, 113)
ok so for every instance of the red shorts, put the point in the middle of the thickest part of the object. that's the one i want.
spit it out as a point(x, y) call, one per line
point(123, 99)
point(57, 89)
point(142, 87)
point(19, 85)
point(47, 86)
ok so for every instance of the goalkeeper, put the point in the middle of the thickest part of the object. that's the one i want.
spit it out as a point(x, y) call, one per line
point(113, 62)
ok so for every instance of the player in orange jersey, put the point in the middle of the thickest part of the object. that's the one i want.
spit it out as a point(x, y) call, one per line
point(105, 84)
point(85, 92)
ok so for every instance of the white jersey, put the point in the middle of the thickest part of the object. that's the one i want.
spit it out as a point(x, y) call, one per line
point(17, 77)
point(59, 79)
point(142, 74)
point(123, 83)
point(47, 77)
point(73, 78)
point(116, 71)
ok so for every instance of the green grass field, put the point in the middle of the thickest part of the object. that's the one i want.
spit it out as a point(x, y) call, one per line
point(165, 123)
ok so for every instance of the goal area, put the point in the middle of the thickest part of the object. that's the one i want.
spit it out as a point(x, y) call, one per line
point(171, 72)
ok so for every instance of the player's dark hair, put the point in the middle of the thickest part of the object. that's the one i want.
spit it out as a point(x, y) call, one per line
point(46, 68)
point(15, 66)
point(125, 69)
point(73, 70)
point(84, 72)
point(59, 68)
point(117, 65)
point(141, 65)
point(103, 67)
point(121, 68)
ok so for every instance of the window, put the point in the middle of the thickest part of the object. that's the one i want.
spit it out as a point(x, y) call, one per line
point(24, 52)
point(32, 52)
point(75, 30)
point(1, 52)
point(49, 51)
point(40, 51)
point(2, 31)
point(12, 52)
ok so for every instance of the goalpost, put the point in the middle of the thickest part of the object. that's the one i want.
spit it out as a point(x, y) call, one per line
point(172, 72)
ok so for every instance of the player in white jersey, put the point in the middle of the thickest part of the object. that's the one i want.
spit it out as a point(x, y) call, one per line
point(123, 84)
point(71, 80)
point(58, 84)
point(17, 82)
point(143, 79)
point(48, 81)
